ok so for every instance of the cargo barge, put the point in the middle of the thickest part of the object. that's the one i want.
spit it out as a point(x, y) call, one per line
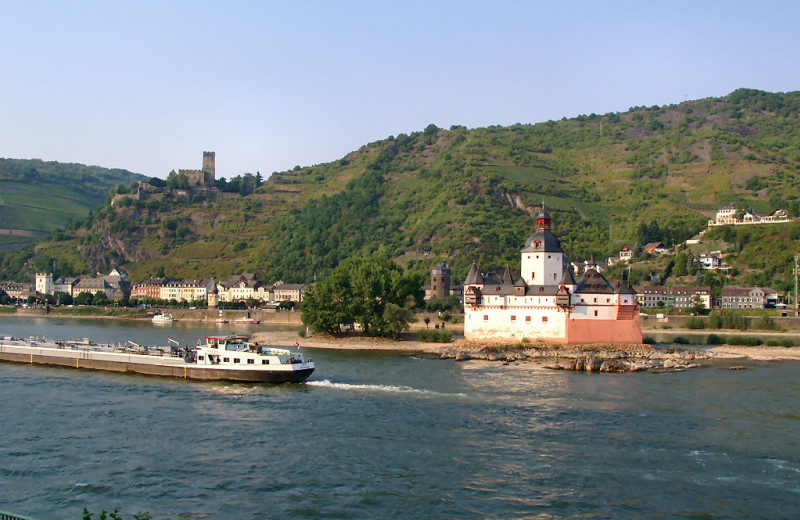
point(220, 358)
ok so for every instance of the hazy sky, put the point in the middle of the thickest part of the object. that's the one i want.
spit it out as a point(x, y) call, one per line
point(147, 86)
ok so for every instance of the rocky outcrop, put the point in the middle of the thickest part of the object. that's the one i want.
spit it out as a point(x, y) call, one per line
point(586, 358)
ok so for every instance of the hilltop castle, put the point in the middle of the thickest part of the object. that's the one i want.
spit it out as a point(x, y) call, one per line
point(202, 178)
point(546, 302)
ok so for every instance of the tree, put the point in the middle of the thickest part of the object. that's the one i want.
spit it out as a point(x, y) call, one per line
point(698, 307)
point(84, 298)
point(359, 291)
point(680, 267)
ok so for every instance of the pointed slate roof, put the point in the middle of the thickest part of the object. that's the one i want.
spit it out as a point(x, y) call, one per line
point(507, 278)
point(593, 282)
point(474, 276)
point(568, 278)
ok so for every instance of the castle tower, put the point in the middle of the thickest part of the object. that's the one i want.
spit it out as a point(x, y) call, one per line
point(542, 258)
point(440, 281)
point(213, 295)
point(209, 173)
point(44, 283)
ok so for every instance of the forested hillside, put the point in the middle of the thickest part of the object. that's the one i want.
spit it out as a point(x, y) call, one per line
point(37, 197)
point(464, 195)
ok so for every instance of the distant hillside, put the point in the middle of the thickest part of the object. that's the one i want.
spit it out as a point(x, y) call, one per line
point(37, 197)
point(461, 195)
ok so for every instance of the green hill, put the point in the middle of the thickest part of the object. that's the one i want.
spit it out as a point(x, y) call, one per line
point(38, 197)
point(464, 195)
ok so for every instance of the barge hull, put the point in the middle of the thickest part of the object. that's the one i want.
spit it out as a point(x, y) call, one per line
point(182, 371)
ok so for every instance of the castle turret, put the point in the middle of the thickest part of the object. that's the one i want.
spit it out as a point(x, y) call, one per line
point(213, 295)
point(440, 281)
point(542, 258)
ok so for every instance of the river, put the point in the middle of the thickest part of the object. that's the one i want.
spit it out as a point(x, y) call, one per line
point(384, 435)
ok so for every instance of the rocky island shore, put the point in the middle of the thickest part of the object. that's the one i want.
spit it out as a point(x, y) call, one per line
point(589, 358)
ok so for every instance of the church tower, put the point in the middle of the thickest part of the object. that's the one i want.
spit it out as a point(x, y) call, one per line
point(542, 258)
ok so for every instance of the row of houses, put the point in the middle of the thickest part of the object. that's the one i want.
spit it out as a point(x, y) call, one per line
point(241, 287)
point(684, 297)
point(729, 215)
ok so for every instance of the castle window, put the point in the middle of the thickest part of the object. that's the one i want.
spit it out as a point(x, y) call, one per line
point(595, 300)
point(527, 319)
point(485, 317)
point(548, 256)
point(595, 313)
point(513, 319)
point(608, 300)
point(544, 319)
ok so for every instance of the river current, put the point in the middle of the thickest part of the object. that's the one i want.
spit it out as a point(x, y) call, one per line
point(383, 435)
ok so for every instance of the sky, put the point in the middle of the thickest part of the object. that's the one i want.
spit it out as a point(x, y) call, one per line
point(148, 86)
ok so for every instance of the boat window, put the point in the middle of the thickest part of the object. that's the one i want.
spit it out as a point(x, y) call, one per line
point(236, 360)
point(200, 358)
point(251, 361)
point(265, 361)
point(226, 360)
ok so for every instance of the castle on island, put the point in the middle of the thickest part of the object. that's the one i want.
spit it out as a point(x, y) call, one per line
point(546, 302)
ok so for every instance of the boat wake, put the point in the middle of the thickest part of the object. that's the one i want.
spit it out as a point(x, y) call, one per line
point(389, 389)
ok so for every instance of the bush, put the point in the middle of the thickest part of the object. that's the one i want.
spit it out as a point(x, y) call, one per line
point(764, 323)
point(680, 340)
point(745, 341)
point(648, 340)
point(714, 339)
point(695, 322)
point(779, 342)
point(435, 336)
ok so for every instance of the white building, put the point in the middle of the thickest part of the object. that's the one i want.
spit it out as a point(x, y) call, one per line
point(546, 302)
point(44, 283)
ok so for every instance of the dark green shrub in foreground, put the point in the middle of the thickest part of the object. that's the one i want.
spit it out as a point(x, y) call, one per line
point(779, 342)
point(435, 335)
point(714, 339)
point(680, 340)
point(648, 340)
point(745, 341)
point(114, 515)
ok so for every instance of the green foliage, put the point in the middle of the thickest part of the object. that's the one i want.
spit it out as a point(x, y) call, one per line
point(695, 322)
point(114, 515)
point(745, 341)
point(435, 335)
point(448, 303)
point(364, 291)
point(681, 340)
point(714, 339)
point(764, 323)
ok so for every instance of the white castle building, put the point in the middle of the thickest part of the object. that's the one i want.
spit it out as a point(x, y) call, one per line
point(546, 302)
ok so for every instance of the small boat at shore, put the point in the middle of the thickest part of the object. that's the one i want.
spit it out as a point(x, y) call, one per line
point(162, 318)
point(220, 358)
point(245, 320)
